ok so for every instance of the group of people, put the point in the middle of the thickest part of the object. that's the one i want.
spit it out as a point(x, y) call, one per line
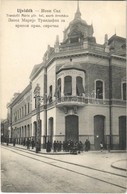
point(57, 146)
point(68, 146)
point(29, 143)
point(72, 147)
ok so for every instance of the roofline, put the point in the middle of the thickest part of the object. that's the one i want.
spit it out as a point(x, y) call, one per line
point(71, 54)
point(115, 37)
point(70, 68)
point(28, 88)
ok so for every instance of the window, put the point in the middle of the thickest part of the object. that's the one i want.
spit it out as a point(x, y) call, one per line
point(25, 109)
point(35, 101)
point(68, 85)
point(50, 94)
point(124, 91)
point(99, 89)
point(18, 114)
point(73, 40)
point(28, 108)
point(79, 86)
point(22, 112)
point(59, 88)
point(15, 119)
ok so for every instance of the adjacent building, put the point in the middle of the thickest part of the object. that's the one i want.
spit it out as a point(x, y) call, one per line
point(78, 92)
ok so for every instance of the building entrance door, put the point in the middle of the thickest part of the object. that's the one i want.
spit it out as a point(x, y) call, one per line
point(98, 131)
point(71, 128)
point(122, 132)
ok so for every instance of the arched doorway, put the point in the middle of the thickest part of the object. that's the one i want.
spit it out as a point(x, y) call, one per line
point(98, 130)
point(71, 128)
point(122, 132)
point(50, 131)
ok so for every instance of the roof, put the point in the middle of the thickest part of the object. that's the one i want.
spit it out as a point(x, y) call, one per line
point(35, 68)
point(115, 37)
point(71, 65)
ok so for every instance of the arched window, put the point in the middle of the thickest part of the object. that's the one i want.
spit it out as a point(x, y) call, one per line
point(124, 91)
point(79, 86)
point(99, 89)
point(28, 108)
point(68, 85)
point(50, 94)
point(59, 88)
point(22, 112)
point(25, 109)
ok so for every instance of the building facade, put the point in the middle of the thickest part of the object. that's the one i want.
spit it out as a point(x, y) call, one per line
point(4, 130)
point(19, 115)
point(78, 92)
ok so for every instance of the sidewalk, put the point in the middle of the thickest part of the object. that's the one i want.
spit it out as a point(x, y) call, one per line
point(120, 164)
point(43, 151)
point(105, 160)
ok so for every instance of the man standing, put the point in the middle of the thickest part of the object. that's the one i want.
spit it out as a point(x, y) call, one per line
point(87, 145)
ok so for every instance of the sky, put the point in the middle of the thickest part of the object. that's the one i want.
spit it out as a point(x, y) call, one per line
point(22, 48)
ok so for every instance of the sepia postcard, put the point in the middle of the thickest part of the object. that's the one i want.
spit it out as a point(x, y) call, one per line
point(63, 96)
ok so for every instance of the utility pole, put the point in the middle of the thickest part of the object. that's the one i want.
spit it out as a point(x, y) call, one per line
point(45, 107)
point(110, 102)
point(38, 126)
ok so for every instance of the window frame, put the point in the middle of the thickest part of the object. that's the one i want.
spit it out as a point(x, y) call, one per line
point(70, 85)
point(103, 85)
point(124, 82)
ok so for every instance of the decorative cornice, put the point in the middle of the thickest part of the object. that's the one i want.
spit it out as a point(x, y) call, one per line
point(26, 90)
point(71, 53)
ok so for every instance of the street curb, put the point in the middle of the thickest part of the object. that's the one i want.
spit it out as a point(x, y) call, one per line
point(114, 165)
point(46, 153)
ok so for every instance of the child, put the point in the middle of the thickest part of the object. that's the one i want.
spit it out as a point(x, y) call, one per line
point(101, 146)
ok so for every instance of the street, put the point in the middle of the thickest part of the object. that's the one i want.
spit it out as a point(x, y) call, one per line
point(24, 171)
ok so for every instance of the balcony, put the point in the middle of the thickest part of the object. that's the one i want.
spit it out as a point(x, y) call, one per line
point(71, 101)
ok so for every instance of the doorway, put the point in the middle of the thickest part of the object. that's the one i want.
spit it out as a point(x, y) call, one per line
point(71, 128)
point(122, 132)
point(98, 131)
point(50, 133)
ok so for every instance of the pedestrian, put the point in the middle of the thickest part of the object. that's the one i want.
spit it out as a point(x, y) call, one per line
point(32, 144)
point(48, 146)
point(87, 145)
point(28, 143)
point(60, 145)
point(71, 145)
point(14, 142)
point(24, 142)
point(37, 146)
point(54, 146)
point(57, 146)
point(80, 147)
point(101, 146)
point(7, 141)
point(64, 147)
